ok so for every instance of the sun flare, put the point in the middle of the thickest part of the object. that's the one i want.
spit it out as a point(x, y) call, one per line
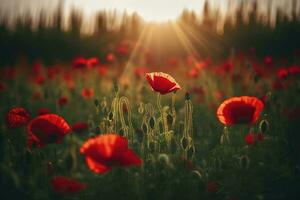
point(154, 10)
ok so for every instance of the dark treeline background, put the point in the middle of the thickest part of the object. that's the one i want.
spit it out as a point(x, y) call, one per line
point(243, 28)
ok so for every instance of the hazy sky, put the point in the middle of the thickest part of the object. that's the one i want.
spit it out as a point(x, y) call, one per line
point(149, 9)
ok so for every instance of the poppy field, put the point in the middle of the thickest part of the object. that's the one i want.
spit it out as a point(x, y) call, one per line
point(175, 110)
point(212, 131)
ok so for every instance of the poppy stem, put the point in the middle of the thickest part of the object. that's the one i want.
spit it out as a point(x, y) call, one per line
point(173, 109)
point(164, 121)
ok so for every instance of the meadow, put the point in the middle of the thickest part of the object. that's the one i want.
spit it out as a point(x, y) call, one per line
point(112, 116)
point(181, 147)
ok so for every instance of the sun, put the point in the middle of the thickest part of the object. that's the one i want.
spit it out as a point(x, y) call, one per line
point(149, 10)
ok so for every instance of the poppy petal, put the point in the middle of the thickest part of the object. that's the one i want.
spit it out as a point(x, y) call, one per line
point(96, 167)
point(129, 158)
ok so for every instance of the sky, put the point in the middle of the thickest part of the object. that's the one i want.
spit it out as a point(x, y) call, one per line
point(152, 10)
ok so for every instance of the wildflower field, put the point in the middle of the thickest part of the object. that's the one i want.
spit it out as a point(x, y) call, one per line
point(121, 122)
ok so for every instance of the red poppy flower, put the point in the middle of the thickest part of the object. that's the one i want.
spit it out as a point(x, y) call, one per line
point(294, 70)
point(162, 83)
point(79, 63)
point(17, 117)
point(193, 73)
point(250, 139)
point(105, 151)
point(63, 100)
point(63, 185)
point(92, 62)
point(87, 93)
point(268, 60)
point(282, 73)
point(43, 111)
point(80, 127)
point(239, 110)
point(110, 57)
point(47, 129)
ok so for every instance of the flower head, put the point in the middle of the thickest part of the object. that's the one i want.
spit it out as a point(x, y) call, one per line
point(105, 151)
point(17, 117)
point(240, 110)
point(162, 82)
point(47, 129)
point(63, 185)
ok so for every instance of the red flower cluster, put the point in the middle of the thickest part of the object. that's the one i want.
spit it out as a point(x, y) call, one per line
point(105, 151)
point(240, 110)
point(162, 82)
point(63, 185)
point(87, 93)
point(285, 72)
point(81, 63)
point(47, 129)
point(17, 117)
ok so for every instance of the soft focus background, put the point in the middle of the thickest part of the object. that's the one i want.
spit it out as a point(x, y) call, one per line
point(80, 66)
point(60, 30)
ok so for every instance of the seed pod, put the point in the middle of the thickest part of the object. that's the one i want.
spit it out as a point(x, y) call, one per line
point(151, 122)
point(264, 126)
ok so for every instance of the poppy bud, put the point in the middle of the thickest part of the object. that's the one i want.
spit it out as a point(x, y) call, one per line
point(191, 152)
point(187, 96)
point(110, 116)
point(141, 108)
point(49, 168)
point(170, 119)
point(152, 122)
point(103, 103)
point(122, 132)
point(264, 126)
point(184, 143)
point(145, 128)
point(116, 87)
point(97, 130)
point(96, 102)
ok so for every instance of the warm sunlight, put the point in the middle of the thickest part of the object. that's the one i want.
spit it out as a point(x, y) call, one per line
point(154, 10)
